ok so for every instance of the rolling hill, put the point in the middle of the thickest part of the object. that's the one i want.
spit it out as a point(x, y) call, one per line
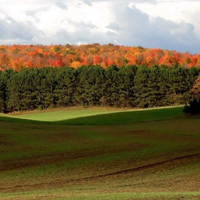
point(149, 154)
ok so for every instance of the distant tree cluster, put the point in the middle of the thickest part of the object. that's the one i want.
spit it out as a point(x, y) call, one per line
point(90, 85)
point(18, 57)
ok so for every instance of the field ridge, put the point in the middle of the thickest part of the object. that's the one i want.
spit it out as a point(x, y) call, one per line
point(197, 155)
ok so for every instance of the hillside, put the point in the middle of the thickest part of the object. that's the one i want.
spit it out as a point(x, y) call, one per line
point(140, 159)
point(18, 57)
point(94, 116)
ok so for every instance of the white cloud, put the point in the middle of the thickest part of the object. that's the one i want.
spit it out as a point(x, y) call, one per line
point(141, 29)
point(174, 10)
point(87, 2)
point(114, 26)
point(61, 5)
point(169, 24)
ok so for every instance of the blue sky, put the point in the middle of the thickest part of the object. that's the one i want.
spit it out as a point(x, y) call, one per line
point(166, 24)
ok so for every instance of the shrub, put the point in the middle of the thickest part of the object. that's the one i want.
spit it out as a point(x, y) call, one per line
point(193, 107)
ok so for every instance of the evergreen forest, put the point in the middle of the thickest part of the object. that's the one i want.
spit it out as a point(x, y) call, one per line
point(93, 85)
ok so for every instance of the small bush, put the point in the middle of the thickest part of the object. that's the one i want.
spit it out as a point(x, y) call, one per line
point(193, 107)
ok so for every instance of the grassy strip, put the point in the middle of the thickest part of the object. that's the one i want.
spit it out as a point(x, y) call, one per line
point(63, 114)
point(6, 118)
point(127, 117)
point(95, 117)
point(60, 195)
point(128, 196)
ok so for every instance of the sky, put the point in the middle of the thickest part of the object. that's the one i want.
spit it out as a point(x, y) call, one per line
point(165, 24)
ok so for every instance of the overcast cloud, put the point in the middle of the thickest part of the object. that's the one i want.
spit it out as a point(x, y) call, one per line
point(166, 24)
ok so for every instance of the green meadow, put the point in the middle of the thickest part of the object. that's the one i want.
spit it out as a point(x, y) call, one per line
point(52, 116)
point(100, 154)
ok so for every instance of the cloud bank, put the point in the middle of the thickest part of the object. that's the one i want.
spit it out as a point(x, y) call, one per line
point(162, 24)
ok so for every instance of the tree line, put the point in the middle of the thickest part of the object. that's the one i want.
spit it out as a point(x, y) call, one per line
point(18, 57)
point(129, 86)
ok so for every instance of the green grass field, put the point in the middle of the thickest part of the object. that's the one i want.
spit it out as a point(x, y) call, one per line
point(151, 154)
point(102, 116)
point(52, 116)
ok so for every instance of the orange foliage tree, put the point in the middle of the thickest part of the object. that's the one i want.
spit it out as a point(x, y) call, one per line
point(18, 57)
